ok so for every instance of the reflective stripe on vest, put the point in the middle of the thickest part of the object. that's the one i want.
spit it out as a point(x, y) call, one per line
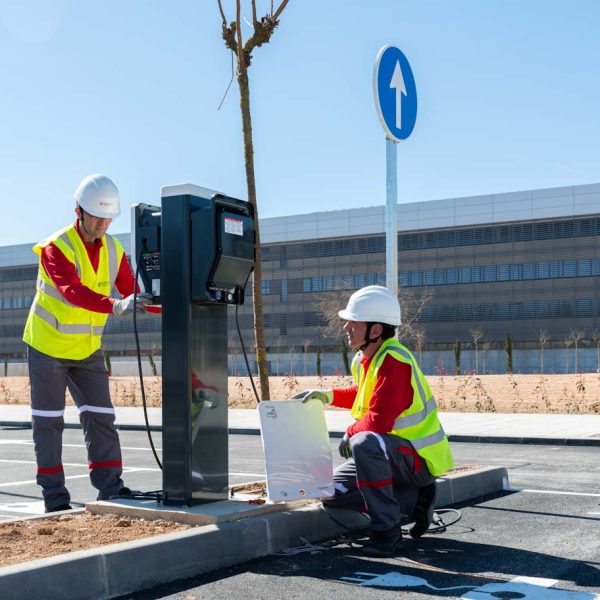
point(429, 405)
point(49, 318)
point(58, 327)
point(418, 424)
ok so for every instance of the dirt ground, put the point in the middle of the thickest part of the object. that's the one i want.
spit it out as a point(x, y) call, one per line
point(22, 541)
point(25, 540)
point(454, 393)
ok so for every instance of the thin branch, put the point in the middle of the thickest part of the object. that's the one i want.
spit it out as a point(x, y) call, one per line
point(230, 82)
point(280, 9)
point(222, 13)
point(254, 19)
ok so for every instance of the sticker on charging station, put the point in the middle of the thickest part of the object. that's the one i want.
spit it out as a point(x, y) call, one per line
point(234, 226)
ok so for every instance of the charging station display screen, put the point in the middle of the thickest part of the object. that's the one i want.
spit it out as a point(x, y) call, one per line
point(236, 250)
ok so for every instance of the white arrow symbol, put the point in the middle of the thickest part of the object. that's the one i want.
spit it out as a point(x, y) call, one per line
point(397, 83)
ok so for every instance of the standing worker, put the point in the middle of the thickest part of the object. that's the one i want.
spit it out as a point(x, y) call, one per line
point(397, 446)
point(79, 266)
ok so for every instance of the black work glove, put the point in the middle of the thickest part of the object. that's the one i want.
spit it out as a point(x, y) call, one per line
point(344, 447)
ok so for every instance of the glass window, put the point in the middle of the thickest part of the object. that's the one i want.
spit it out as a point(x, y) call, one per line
point(503, 234)
point(465, 237)
point(503, 272)
point(476, 274)
point(569, 268)
point(452, 275)
point(502, 311)
point(529, 271)
point(415, 278)
point(283, 295)
point(360, 280)
point(489, 273)
point(526, 233)
point(543, 270)
point(265, 287)
point(428, 277)
point(543, 231)
point(465, 274)
point(515, 272)
point(283, 258)
point(585, 267)
point(404, 278)
point(440, 276)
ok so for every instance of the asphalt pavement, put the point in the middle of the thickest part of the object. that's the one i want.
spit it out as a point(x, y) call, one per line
point(110, 571)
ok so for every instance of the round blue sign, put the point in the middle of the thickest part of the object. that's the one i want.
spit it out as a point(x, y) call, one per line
point(395, 93)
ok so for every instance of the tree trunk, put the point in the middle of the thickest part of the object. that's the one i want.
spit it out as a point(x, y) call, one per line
point(259, 331)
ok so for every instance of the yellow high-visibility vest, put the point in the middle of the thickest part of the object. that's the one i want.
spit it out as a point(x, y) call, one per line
point(54, 325)
point(419, 423)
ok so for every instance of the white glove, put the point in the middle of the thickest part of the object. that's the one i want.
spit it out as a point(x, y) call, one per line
point(125, 306)
point(325, 396)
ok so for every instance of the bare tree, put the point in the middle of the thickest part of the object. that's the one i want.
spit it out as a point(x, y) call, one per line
point(567, 342)
point(596, 340)
point(576, 335)
point(329, 304)
point(420, 338)
point(542, 336)
point(484, 348)
point(412, 309)
point(232, 34)
point(476, 334)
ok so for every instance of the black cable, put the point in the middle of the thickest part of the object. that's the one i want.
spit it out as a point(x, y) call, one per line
point(237, 324)
point(139, 353)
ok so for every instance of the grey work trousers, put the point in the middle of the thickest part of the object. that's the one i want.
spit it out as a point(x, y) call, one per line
point(383, 477)
point(87, 381)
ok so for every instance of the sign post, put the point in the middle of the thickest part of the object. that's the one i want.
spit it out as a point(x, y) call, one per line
point(396, 103)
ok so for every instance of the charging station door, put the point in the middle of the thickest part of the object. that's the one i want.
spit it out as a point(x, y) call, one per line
point(297, 451)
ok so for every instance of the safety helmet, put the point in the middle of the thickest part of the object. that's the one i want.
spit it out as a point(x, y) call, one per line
point(98, 196)
point(373, 304)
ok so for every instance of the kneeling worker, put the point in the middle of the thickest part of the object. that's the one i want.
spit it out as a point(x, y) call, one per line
point(397, 446)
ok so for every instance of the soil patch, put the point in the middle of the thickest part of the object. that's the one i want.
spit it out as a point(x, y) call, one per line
point(575, 394)
point(25, 540)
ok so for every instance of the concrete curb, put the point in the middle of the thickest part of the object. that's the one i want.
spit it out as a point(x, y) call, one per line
point(478, 439)
point(120, 569)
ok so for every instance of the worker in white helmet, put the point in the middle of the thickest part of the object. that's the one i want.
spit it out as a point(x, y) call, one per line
point(79, 267)
point(396, 446)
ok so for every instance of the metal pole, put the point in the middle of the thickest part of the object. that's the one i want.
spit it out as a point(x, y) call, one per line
point(391, 224)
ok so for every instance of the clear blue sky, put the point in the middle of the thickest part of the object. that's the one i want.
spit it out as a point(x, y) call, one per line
point(509, 95)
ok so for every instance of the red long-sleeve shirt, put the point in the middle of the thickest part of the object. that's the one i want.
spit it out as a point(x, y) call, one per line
point(64, 276)
point(392, 395)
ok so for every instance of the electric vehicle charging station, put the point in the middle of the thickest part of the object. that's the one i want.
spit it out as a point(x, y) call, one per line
point(195, 254)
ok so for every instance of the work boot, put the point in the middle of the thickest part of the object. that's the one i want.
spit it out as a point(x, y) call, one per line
point(59, 508)
point(423, 513)
point(383, 543)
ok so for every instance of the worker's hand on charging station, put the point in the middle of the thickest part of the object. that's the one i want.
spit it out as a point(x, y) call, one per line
point(325, 396)
point(344, 447)
point(125, 305)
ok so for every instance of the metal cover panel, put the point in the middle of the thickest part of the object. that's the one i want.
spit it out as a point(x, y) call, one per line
point(297, 452)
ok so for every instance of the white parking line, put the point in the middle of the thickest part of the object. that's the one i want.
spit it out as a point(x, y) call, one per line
point(30, 443)
point(34, 482)
point(554, 492)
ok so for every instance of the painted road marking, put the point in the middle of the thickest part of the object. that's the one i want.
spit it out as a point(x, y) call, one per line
point(30, 443)
point(553, 492)
point(532, 588)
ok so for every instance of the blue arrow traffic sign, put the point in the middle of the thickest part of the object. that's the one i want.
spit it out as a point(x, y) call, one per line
point(395, 93)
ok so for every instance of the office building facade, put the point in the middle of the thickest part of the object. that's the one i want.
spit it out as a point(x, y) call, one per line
point(471, 270)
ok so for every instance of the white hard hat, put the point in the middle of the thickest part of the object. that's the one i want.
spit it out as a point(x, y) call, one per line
point(373, 304)
point(98, 196)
